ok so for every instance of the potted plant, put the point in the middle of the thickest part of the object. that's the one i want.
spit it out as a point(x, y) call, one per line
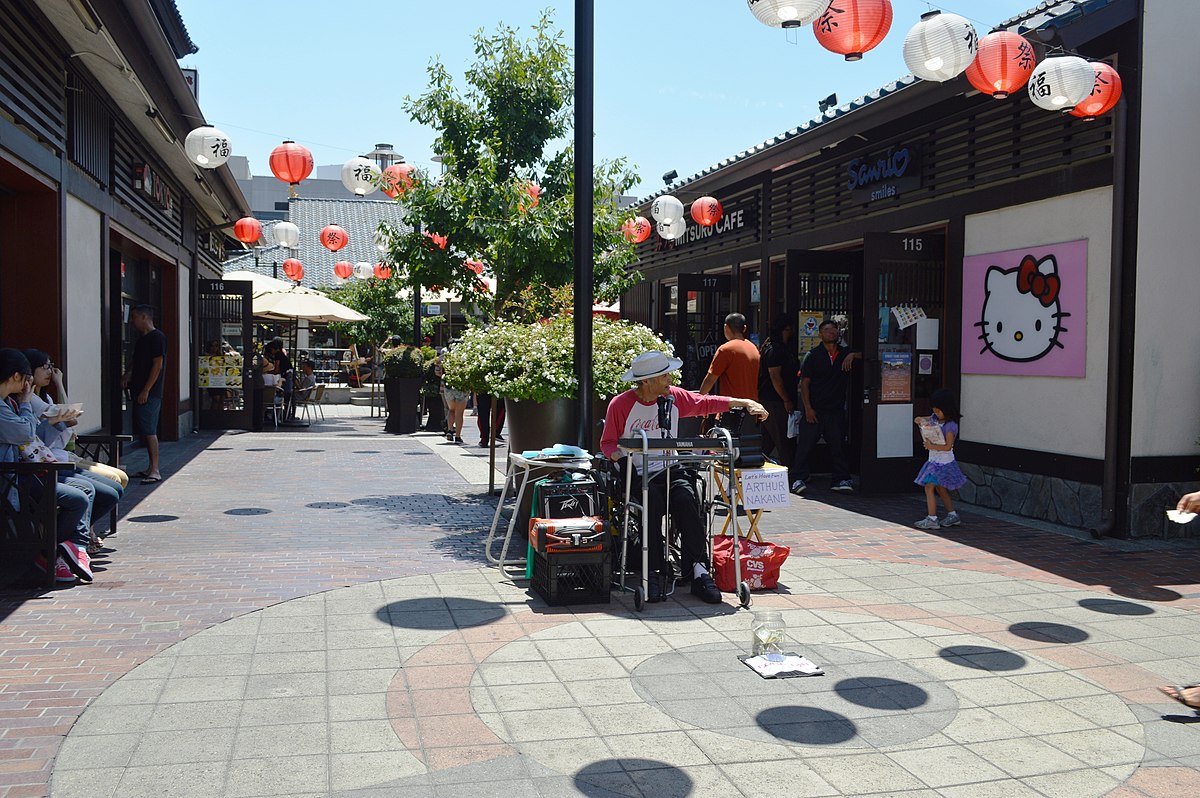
point(403, 370)
point(532, 367)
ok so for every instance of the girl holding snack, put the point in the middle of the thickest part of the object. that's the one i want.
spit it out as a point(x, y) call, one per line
point(940, 472)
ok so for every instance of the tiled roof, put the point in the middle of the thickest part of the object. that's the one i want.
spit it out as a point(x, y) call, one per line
point(173, 28)
point(358, 217)
point(1051, 12)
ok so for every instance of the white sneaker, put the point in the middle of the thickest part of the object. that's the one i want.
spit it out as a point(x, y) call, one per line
point(799, 487)
point(951, 519)
point(927, 523)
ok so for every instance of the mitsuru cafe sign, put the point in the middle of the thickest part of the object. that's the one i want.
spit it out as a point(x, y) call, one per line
point(884, 175)
point(731, 221)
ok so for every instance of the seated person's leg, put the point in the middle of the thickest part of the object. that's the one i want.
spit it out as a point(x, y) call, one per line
point(111, 472)
point(74, 506)
point(693, 536)
point(108, 493)
point(654, 515)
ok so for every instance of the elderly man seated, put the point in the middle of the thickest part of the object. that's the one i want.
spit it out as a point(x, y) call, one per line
point(638, 409)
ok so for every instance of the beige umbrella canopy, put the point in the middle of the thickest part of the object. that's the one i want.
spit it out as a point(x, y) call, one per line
point(275, 299)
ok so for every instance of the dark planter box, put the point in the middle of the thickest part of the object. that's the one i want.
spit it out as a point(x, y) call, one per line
point(403, 396)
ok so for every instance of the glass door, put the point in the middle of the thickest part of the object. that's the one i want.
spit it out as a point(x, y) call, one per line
point(223, 375)
point(704, 302)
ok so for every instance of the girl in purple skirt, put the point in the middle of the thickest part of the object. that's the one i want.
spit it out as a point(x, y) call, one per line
point(941, 472)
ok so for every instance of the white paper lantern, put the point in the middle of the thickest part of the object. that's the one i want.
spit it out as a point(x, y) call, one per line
point(787, 13)
point(364, 270)
point(381, 241)
point(1061, 82)
point(286, 234)
point(360, 176)
point(940, 47)
point(666, 208)
point(672, 230)
point(207, 147)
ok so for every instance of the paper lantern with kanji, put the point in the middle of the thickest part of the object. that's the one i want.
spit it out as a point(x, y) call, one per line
point(673, 229)
point(363, 270)
point(707, 211)
point(382, 271)
point(637, 229)
point(438, 241)
point(852, 27)
point(286, 234)
point(360, 176)
point(247, 230)
point(787, 13)
point(294, 269)
point(207, 147)
point(343, 269)
point(334, 237)
point(291, 162)
point(1061, 82)
point(666, 208)
point(535, 196)
point(398, 179)
point(1105, 93)
point(1002, 65)
point(940, 47)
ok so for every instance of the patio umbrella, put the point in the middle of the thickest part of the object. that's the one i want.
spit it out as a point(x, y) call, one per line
point(302, 303)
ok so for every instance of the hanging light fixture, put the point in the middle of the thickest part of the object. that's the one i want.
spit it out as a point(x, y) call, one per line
point(343, 269)
point(707, 211)
point(286, 234)
point(787, 13)
point(294, 269)
point(291, 162)
point(360, 176)
point(382, 271)
point(207, 147)
point(247, 230)
point(637, 229)
point(1002, 65)
point(852, 27)
point(666, 208)
point(940, 47)
point(1106, 92)
point(363, 270)
point(1061, 82)
point(334, 237)
point(398, 178)
point(672, 229)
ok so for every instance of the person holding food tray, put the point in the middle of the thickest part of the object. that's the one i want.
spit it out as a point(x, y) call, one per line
point(941, 473)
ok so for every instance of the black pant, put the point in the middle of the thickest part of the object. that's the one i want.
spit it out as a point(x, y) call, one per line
point(776, 444)
point(831, 424)
point(685, 514)
point(483, 411)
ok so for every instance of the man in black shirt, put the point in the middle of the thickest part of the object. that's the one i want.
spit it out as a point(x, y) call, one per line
point(824, 380)
point(145, 380)
point(777, 391)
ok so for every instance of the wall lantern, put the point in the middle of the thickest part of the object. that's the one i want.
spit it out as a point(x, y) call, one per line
point(291, 162)
point(334, 237)
point(294, 269)
point(787, 13)
point(1061, 82)
point(667, 208)
point(343, 269)
point(1105, 93)
point(398, 179)
point(247, 230)
point(940, 47)
point(707, 211)
point(363, 270)
point(852, 27)
point(360, 176)
point(286, 235)
point(382, 271)
point(637, 230)
point(1002, 65)
point(207, 147)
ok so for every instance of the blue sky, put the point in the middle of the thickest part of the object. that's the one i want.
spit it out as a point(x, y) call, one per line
point(680, 84)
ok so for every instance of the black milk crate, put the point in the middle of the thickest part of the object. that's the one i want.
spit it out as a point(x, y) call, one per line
point(584, 578)
point(555, 498)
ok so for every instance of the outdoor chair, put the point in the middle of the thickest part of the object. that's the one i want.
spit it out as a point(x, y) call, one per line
point(30, 525)
point(309, 403)
point(100, 447)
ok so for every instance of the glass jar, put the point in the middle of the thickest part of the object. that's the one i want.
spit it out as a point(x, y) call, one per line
point(766, 632)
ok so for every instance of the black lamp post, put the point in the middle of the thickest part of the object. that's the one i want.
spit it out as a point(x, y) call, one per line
point(584, 114)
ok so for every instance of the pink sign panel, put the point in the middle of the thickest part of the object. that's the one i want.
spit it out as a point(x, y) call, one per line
point(1025, 311)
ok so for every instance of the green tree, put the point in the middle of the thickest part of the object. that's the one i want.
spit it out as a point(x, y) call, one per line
point(494, 139)
point(387, 314)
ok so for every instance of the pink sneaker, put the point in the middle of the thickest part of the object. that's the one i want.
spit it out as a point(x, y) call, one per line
point(63, 573)
point(77, 559)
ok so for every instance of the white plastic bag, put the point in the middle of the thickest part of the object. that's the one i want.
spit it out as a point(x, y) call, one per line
point(795, 419)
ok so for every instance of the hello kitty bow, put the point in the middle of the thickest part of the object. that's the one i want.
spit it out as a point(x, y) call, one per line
point(1043, 286)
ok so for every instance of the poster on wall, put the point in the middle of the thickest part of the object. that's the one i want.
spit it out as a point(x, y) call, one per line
point(895, 379)
point(1025, 311)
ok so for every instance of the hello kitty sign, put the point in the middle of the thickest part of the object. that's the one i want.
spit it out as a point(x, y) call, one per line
point(1025, 311)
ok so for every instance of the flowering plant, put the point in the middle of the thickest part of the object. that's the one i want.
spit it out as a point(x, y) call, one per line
point(537, 361)
point(403, 361)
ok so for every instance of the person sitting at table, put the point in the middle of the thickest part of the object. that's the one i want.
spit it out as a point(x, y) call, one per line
point(306, 383)
point(638, 409)
point(276, 361)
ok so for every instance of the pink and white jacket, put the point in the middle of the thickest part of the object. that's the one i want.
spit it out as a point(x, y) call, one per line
point(626, 415)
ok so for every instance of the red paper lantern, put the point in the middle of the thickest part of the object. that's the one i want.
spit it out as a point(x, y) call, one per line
point(334, 237)
point(291, 162)
point(1002, 65)
point(383, 271)
point(474, 265)
point(852, 27)
point(637, 230)
point(438, 240)
point(293, 269)
point(707, 211)
point(1105, 93)
point(247, 229)
point(343, 269)
point(535, 193)
point(397, 179)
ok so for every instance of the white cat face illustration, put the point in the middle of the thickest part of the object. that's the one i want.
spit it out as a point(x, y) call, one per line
point(1021, 310)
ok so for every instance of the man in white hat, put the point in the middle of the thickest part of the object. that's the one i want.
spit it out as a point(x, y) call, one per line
point(638, 409)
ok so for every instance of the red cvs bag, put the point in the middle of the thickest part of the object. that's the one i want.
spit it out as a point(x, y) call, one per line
point(760, 563)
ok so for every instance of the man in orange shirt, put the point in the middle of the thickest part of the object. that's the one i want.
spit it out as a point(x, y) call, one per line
point(735, 364)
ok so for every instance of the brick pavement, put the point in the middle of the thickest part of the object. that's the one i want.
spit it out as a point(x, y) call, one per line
point(249, 520)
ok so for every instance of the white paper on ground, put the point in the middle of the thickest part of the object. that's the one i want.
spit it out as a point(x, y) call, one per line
point(772, 665)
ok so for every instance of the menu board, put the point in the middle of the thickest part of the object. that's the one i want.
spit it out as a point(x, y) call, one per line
point(219, 371)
